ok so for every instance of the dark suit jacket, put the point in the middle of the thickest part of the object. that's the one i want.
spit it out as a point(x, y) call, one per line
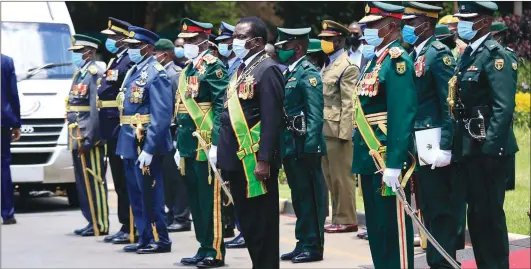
point(108, 90)
point(10, 102)
point(265, 106)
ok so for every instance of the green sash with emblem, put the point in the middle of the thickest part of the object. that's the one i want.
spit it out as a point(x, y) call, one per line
point(204, 121)
point(376, 149)
point(248, 140)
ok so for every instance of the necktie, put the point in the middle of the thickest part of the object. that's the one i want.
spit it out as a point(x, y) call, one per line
point(240, 69)
point(468, 51)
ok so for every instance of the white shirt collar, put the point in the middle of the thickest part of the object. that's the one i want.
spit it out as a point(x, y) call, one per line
point(419, 48)
point(250, 59)
point(196, 59)
point(292, 66)
point(231, 62)
point(477, 43)
point(335, 55)
point(380, 51)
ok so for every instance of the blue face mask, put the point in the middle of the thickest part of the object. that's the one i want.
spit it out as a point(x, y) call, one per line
point(408, 33)
point(372, 37)
point(224, 50)
point(368, 52)
point(179, 52)
point(77, 59)
point(465, 29)
point(135, 55)
point(110, 45)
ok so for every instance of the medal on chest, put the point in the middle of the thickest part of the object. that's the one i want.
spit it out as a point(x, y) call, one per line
point(143, 78)
point(369, 83)
point(137, 93)
point(79, 89)
point(112, 75)
point(192, 90)
point(420, 66)
point(246, 89)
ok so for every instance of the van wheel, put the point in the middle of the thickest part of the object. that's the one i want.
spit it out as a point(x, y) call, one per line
point(71, 193)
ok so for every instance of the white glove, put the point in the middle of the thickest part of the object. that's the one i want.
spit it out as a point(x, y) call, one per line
point(122, 157)
point(442, 158)
point(177, 158)
point(144, 159)
point(390, 177)
point(213, 154)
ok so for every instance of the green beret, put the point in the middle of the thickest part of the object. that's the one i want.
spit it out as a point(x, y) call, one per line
point(164, 44)
point(314, 46)
point(498, 27)
point(81, 41)
point(415, 9)
point(475, 8)
point(190, 28)
point(285, 35)
point(378, 10)
point(442, 32)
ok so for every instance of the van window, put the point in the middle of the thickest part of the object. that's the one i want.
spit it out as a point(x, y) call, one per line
point(33, 45)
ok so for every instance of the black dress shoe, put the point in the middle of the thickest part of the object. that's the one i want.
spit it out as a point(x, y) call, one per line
point(178, 227)
point(123, 239)
point(153, 248)
point(307, 257)
point(132, 248)
point(290, 256)
point(90, 232)
point(210, 262)
point(80, 231)
point(10, 221)
point(109, 238)
point(193, 260)
point(238, 242)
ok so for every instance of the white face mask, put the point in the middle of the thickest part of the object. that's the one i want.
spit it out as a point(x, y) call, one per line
point(238, 47)
point(192, 50)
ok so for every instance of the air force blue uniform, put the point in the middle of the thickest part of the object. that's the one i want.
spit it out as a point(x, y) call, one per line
point(10, 119)
point(110, 122)
point(146, 91)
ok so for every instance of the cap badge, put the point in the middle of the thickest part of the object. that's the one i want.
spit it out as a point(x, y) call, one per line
point(185, 27)
point(325, 25)
point(110, 23)
point(220, 31)
point(131, 34)
point(367, 9)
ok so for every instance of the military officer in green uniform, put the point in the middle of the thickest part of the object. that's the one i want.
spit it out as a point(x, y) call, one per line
point(85, 142)
point(303, 143)
point(199, 102)
point(385, 105)
point(498, 31)
point(434, 67)
point(482, 99)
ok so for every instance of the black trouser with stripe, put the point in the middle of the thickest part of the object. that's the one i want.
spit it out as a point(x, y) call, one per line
point(98, 187)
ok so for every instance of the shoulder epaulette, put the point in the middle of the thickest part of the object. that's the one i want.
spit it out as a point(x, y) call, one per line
point(209, 58)
point(93, 69)
point(395, 52)
point(158, 67)
point(509, 49)
point(492, 45)
point(438, 45)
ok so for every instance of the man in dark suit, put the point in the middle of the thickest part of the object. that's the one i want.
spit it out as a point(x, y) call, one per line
point(10, 132)
point(108, 89)
point(249, 141)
